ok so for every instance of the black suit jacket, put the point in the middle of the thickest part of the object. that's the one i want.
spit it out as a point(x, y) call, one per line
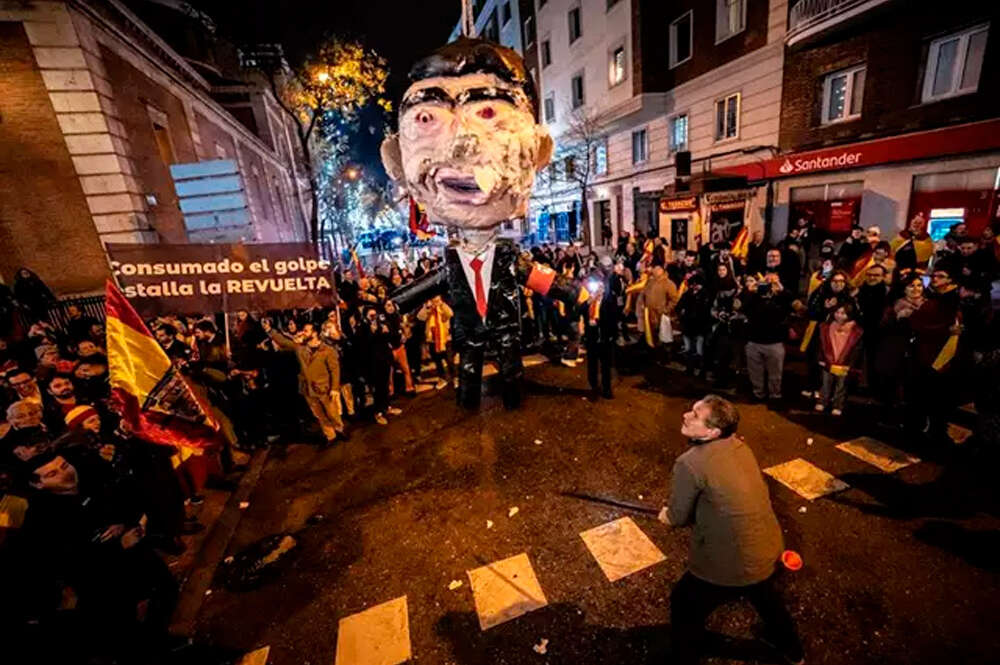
point(503, 313)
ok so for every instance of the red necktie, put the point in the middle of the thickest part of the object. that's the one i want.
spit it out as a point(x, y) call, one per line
point(477, 265)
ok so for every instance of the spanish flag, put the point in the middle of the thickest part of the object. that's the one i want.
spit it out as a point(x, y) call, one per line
point(356, 260)
point(147, 391)
point(741, 245)
point(419, 224)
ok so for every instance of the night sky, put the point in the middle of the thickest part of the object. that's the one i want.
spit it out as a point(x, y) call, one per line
point(399, 30)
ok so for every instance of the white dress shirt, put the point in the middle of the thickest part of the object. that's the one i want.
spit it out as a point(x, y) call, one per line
point(485, 273)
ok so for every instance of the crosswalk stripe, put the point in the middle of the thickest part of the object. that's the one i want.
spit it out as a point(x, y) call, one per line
point(808, 481)
point(504, 590)
point(621, 548)
point(379, 635)
point(877, 453)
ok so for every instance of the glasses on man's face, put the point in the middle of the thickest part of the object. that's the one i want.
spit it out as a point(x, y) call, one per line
point(839, 280)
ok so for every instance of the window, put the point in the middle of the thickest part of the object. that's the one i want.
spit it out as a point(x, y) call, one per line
point(574, 24)
point(616, 67)
point(577, 91)
point(546, 54)
point(680, 39)
point(529, 31)
point(639, 146)
point(505, 13)
point(163, 144)
point(730, 18)
point(601, 157)
point(727, 117)
point(679, 133)
point(954, 64)
point(492, 30)
point(842, 94)
point(569, 165)
point(550, 109)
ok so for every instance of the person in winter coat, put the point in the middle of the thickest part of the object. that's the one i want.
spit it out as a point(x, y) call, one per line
point(437, 317)
point(728, 327)
point(396, 342)
point(659, 298)
point(839, 350)
point(319, 378)
point(694, 313)
point(824, 300)
point(32, 293)
point(895, 346)
point(936, 326)
point(872, 299)
point(767, 305)
point(600, 320)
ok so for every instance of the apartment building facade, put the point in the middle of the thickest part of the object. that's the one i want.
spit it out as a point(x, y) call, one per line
point(96, 107)
point(701, 76)
point(889, 109)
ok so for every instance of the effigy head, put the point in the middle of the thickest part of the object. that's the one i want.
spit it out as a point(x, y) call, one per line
point(469, 145)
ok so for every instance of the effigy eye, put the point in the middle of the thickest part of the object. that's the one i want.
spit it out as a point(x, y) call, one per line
point(486, 113)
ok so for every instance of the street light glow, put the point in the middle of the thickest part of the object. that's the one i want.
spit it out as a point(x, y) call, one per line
point(323, 77)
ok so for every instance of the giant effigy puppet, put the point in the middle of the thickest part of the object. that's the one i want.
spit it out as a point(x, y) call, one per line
point(467, 151)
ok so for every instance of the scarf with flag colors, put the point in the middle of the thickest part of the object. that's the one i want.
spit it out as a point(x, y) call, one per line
point(148, 392)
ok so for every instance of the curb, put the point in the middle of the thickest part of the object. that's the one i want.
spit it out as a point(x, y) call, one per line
point(192, 593)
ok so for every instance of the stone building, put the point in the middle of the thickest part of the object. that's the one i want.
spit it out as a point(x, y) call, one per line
point(96, 104)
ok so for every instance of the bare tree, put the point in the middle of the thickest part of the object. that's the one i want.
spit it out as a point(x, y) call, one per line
point(575, 163)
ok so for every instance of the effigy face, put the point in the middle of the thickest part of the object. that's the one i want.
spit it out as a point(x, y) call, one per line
point(468, 144)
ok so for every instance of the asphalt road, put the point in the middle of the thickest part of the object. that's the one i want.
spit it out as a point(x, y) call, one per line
point(901, 568)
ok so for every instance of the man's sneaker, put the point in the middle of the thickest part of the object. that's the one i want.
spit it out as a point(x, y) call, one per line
point(380, 419)
point(807, 393)
point(441, 383)
point(568, 362)
point(819, 408)
point(836, 412)
point(393, 411)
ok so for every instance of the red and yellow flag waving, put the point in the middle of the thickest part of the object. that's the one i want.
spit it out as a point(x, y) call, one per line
point(149, 393)
point(741, 245)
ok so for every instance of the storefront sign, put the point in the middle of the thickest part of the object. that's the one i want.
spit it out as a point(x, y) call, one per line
point(186, 279)
point(974, 137)
point(686, 204)
point(729, 205)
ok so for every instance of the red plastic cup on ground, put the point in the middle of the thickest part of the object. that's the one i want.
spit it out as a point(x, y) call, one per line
point(791, 560)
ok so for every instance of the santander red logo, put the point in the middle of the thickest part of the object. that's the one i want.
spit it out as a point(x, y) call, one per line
point(805, 164)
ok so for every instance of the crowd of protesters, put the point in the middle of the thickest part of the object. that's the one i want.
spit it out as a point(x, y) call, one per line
point(901, 320)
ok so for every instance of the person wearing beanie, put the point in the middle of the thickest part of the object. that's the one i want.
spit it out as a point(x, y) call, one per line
point(83, 418)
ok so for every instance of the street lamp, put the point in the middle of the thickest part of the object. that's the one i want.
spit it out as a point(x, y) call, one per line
point(323, 77)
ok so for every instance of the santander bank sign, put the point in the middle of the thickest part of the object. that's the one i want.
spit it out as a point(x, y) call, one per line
point(933, 144)
point(847, 158)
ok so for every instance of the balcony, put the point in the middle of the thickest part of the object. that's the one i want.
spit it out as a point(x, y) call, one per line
point(811, 18)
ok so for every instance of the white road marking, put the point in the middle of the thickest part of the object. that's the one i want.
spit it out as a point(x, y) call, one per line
point(806, 480)
point(504, 590)
point(878, 454)
point(379, 635)
point(621, 548)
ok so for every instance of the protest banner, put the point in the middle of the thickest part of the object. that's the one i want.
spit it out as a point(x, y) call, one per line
point(197, 279)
